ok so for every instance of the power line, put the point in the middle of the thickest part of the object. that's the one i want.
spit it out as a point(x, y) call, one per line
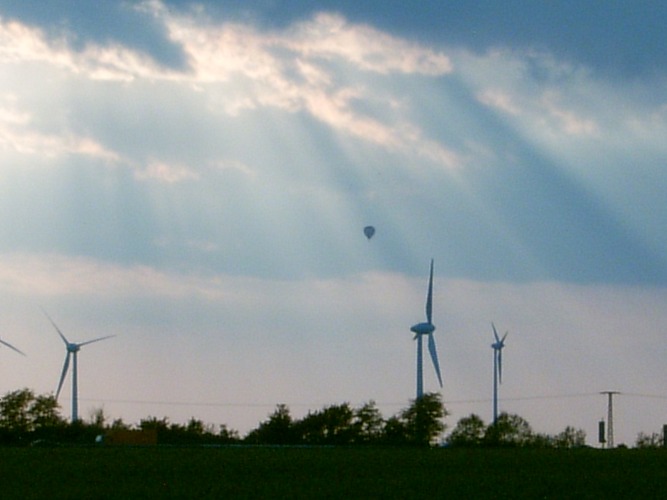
point(639, 395)
point(526, 398)
point(379, 403)
point(187, 403)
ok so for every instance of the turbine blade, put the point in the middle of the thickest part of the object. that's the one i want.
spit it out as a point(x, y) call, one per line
point(11, 347)
point(495, 332)
point(500, 358)
point(56, 327)
point(434, 356)
point(95, 340)
point(429, 297)
point(62, 376)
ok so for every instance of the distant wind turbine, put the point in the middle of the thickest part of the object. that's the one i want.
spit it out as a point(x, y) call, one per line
point(497, 368)
point(426, 328)
point(72, 350)
point(11, 347)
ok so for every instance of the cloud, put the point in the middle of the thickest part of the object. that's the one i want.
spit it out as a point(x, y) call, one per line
point(55, 275)
point(299, 69)
point(567, 120)
point(164, 172)
point(20, 44)
point(267, 102)
point(16, 134)
point(542, 105)
point(235, 166)
point(500, 100)
point(330, 36)
point(563, 110)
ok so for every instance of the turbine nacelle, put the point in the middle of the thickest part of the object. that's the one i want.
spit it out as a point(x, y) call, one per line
point(500, 342)
point(422, 328)
point(498, 345)
point(71, 347)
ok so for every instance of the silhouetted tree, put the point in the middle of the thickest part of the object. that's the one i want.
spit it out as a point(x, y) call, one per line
point(395, 431)
point(47, 423)
point(653, 440)
point(310, 429)
point(539, 440)
point(228, 435)
point(154, 423)
point(368, 424)
point(159, 425)
point(278, 429)
point(509, 430)
point(331, 425)
point(196, 427)
point(97, 420)
point(423, 419)
point(45, 412)
point(570, 438)
point(118, 424)
point(14, 411)
point(26, 416)
point(469, 431)
point(178, 434)
point(194, 432)
point(338, 424)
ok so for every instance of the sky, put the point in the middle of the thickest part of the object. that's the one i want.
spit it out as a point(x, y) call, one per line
point(194, 178)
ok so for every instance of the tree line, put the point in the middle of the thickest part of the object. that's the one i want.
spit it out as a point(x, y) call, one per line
point(27, 418)
point(510, 430)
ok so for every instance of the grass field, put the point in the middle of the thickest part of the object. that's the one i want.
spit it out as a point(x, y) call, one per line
point(246, 472)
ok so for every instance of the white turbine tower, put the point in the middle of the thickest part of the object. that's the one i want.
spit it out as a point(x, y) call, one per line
point(72, 350)
point(426, 328)
point(497, 368)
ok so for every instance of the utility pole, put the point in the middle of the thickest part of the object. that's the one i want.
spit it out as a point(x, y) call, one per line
point(610, 417)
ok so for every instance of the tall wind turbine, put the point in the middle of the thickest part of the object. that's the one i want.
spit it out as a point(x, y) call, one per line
point(72, 351)
point(7, 344)
point(497, 368)
point(426, 328)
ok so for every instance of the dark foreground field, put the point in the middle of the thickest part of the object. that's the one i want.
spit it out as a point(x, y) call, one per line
point(163, 472)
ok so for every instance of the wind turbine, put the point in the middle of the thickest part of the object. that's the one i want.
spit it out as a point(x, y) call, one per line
point(72, 350)
point(497, 368)
point(426, 328)
point(11, 347)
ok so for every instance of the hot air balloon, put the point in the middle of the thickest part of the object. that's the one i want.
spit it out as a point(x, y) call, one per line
point(369, 231)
